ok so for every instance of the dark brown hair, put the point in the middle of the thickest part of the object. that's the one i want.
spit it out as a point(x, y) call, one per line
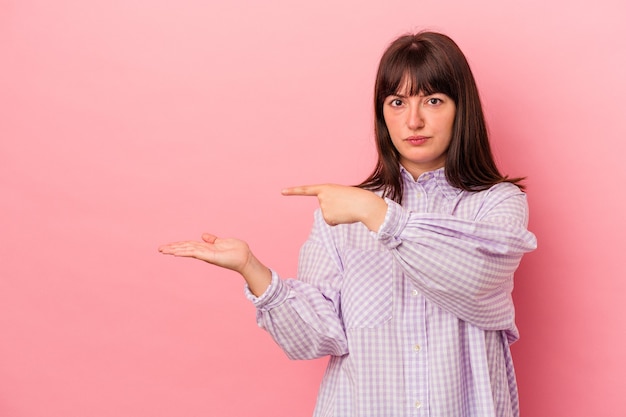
point(431, 63)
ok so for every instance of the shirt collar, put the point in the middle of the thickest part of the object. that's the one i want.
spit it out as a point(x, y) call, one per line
point(438, 175)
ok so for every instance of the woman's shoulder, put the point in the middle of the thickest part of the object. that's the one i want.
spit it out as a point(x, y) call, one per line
point(474, 204)
point(504, 190)
point(500, 190)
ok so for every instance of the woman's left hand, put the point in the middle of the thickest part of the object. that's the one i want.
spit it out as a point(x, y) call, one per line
point(341, 204)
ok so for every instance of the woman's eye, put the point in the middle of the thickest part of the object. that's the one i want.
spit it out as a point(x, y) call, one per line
point(396, 102)
point(434, 101)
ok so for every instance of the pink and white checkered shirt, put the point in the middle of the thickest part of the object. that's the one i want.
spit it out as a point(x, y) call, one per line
point(417, 318)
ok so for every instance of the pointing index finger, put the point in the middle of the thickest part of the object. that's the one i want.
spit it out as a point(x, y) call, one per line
point(311, 190)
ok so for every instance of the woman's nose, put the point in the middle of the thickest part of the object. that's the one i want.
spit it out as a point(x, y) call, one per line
point(414, 118)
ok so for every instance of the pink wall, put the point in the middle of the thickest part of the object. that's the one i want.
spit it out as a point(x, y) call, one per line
point(125, 124)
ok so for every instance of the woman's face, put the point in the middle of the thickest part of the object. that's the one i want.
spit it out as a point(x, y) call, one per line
point(420, 127)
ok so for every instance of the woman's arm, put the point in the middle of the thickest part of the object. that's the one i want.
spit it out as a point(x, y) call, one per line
point(464, 266)
point(301, 315)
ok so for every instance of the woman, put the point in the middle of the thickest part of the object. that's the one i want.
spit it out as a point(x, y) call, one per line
point(405, 280)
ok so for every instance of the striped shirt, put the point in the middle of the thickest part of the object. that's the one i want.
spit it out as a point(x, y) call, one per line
point(418, 317)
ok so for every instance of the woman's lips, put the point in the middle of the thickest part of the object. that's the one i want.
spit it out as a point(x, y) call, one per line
point(416, 140)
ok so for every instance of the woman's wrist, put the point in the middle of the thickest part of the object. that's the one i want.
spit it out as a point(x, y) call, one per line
point(375, 215)
point(257, 276)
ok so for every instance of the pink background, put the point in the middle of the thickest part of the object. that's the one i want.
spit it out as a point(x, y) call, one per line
point(125, 124)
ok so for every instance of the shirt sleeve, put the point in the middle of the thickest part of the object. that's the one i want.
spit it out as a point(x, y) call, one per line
point(303, 316)
point(464, 266)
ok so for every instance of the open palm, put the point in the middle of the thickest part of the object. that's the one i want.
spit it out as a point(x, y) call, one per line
point(227, 253)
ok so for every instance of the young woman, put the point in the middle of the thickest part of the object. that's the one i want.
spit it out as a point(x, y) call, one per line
point(405, 280)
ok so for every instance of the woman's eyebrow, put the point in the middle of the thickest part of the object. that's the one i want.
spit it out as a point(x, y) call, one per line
point(420, 94)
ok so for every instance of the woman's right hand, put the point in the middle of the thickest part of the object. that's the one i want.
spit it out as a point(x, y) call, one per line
point(233, 254)
point(227, 253)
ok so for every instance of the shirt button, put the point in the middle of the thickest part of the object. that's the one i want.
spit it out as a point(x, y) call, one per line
point(417, 347)
point(414, 293)
point(418, 195)
point(418, 404)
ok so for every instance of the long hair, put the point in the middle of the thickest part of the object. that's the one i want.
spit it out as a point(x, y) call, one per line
point(428, 63)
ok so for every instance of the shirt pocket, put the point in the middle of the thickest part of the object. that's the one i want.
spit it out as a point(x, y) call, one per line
point(367, 291)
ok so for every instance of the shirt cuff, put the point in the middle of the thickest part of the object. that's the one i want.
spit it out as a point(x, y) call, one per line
point(393, 225)
point(273, 296)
